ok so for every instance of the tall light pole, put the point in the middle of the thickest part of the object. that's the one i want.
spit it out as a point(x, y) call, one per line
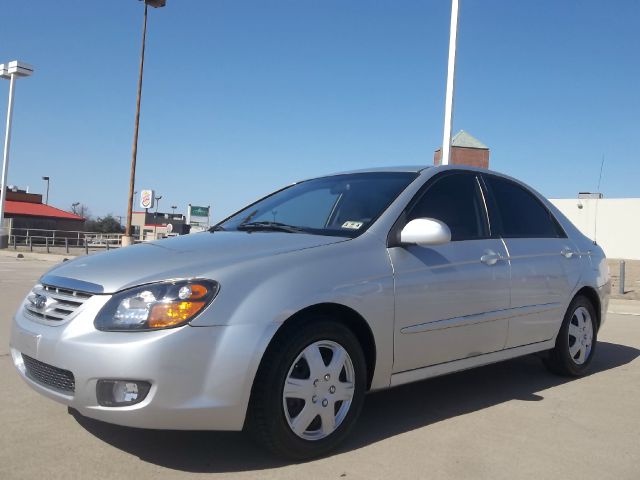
point(451, 80)
point(46, 179)
point(155, 217)
point(173, 207)
point(126, 239)
point(10, 71)
point(74, 206)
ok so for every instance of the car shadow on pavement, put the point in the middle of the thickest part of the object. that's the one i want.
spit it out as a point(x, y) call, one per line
point(385, 414)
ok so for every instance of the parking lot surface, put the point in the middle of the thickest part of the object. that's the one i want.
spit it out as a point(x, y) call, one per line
point(503, 421)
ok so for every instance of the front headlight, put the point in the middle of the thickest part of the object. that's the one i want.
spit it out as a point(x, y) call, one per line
point(156, 306)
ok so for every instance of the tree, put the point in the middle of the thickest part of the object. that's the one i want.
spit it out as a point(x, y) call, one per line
point(81, 210)
point(106, 224)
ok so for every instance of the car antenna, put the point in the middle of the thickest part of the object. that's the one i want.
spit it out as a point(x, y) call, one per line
point(595, 225)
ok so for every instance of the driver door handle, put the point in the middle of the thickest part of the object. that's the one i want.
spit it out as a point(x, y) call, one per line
point(490, 257)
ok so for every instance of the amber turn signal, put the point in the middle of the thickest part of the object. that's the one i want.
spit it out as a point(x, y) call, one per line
point(169, 314)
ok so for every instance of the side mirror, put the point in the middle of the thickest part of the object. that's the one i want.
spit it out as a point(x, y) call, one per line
point(424, 232)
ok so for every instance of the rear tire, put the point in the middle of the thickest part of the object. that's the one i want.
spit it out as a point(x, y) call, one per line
point(322, 366)
point(576, 341)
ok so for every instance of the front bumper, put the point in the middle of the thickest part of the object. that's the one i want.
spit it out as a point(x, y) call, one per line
point(604, 292)
point(200, 377)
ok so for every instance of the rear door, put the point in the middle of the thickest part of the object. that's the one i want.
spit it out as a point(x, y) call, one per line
point(544, 271)
point(450, 299)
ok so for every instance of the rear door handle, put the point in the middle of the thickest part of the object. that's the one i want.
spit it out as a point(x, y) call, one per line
point(568, 253)
point(490, 257)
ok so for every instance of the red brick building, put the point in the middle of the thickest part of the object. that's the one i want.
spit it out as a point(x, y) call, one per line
point(465, 150)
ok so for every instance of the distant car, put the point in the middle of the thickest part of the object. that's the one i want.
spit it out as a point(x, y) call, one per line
point(281, 317)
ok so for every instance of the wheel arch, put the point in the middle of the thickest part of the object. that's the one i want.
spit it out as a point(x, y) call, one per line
point(343, 314)
point(592, 295)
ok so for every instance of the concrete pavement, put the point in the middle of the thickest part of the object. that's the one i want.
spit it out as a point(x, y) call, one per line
point(624, 307)
point(504, 421)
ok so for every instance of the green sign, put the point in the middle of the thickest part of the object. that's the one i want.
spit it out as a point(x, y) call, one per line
point(199, 211)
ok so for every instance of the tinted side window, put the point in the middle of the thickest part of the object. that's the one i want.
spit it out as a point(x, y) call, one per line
point(521, 213)
point(455, 200)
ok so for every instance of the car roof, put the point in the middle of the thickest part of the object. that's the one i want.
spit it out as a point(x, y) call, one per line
point(417, 169)
point(423, 170)
point(400, 168)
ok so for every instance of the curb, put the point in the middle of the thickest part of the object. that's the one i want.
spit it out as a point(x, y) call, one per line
point(624, 307)
point(47, 257)
point(617, 311)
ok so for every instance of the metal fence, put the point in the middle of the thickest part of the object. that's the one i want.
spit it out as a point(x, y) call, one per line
point(30, 238)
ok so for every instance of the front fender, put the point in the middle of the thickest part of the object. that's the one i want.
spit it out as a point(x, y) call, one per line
point(268, 291)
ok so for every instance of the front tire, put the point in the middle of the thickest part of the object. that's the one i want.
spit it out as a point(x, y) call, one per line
point(309, 390)
point(576, 341)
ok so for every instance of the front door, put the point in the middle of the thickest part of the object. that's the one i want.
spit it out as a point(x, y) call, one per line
point(450, 299)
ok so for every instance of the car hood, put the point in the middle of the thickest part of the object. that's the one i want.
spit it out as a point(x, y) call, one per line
point(189, 256)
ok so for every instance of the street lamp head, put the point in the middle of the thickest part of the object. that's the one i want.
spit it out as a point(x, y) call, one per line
point(19, 69)
point(156, 3)
point(4, 71)
point(46, 179)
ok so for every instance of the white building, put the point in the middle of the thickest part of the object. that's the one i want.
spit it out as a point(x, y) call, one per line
point(613, 222)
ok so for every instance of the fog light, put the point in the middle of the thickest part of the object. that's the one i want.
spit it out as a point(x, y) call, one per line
point(121, 393)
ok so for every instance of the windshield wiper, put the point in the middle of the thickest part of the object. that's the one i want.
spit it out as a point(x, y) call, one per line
point(217, 228)
point(274, 226)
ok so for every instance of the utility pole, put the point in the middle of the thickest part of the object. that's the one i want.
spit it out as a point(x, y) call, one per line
point(126, 239)
point(451, 80)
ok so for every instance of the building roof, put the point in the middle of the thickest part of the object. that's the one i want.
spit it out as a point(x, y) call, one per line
point(463, 139)
point(38, 210)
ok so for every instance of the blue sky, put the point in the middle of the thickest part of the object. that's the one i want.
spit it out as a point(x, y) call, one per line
point(242, 97)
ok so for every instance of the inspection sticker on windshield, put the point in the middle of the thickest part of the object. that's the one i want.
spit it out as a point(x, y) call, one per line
point(352, 225)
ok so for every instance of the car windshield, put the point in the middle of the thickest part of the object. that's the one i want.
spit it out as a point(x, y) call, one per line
point(340, 205)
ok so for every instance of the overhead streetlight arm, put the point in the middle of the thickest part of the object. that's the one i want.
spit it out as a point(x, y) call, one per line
point(19, 69)
point(155, 3)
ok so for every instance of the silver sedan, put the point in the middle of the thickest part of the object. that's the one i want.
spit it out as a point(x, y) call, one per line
point(281, 317)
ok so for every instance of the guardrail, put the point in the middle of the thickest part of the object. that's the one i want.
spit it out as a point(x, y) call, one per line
point(37, 237)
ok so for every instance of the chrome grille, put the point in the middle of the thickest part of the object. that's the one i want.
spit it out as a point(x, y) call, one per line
point(46, 302)
point(48, 375)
